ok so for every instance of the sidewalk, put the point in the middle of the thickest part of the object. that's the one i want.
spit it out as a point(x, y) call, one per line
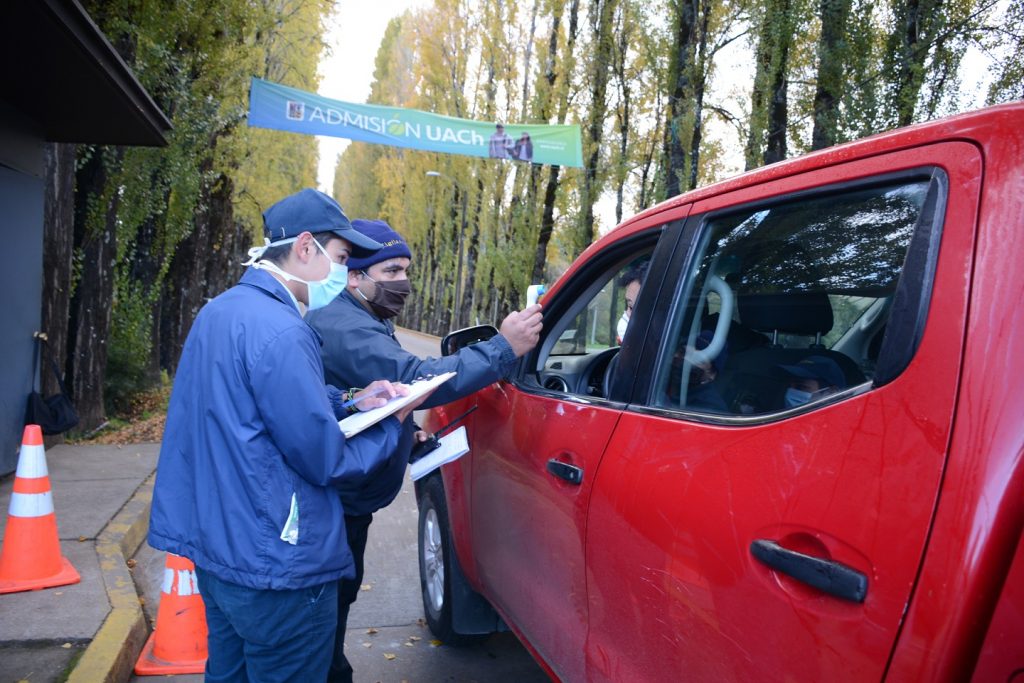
point(101, 495)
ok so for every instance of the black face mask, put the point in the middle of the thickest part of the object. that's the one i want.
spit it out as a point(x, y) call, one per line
point(388, 297)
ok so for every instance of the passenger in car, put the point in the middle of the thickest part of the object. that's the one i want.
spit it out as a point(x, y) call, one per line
point(703, 392)
point(631, 281)
point(812, 378)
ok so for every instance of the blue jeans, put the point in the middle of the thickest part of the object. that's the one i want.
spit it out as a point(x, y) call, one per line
point(267, 635)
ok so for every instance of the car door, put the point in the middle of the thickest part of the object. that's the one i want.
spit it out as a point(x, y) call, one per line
point(537, 445)
point(746, 538)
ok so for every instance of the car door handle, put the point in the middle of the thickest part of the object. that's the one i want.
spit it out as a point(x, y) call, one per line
point(562, 470)
point(825, 575)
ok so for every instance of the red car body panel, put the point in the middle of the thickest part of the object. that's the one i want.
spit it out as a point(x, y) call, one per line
point(644, 571)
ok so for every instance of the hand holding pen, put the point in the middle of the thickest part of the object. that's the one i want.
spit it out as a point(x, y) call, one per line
point(375, 395)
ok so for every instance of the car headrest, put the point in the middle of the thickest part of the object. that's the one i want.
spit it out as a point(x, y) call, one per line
point(806, 313)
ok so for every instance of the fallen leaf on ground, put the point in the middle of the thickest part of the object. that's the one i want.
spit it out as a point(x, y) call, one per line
point(436, 643)
point(372, 630)
point(81, 539)
point(59, 593)
point(367, 644)
point(365, 587)
point(415, 638)
point(388, 656)
point(131, 563)
point(66, 646)
point(408, 644)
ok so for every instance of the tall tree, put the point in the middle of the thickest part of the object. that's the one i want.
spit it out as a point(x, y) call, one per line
point(769, 115)
point(679, 121)
point(832, 53)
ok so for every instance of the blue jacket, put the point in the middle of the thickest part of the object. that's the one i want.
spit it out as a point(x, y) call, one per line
point(359, 347)
point(250, 425)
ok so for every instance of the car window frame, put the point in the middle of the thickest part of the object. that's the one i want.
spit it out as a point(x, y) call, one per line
point(895, 353)
point(663, 235)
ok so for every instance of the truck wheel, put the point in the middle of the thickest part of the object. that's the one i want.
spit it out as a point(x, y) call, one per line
point(436, 555)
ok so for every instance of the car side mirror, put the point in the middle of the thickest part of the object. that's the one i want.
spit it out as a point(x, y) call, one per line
point(466, 337)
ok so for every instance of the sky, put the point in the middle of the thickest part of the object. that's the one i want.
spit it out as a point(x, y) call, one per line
point(354, 32)
point(355, 29)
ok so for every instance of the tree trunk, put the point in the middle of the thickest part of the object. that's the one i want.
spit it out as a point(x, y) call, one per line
point(681, 67)
point(96, 238)
point(766, 141)
point(699, 86)
point(547, 223)
point(908, 54)
point(601, 14)
point(829, 87)
point(58, 247)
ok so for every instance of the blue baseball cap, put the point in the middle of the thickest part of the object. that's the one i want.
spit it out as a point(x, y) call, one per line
point(313, 211)
point(821, 368)
point(392, 244)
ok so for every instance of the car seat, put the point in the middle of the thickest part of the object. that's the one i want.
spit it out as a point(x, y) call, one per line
point(752, 381)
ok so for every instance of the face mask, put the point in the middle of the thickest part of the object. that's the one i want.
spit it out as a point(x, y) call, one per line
point(320, 292)
point(620, 329)
point(388, 297)
point(795, 397)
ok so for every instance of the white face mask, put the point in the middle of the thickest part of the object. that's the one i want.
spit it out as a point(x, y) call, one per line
point(620, 328)
point(320, 292)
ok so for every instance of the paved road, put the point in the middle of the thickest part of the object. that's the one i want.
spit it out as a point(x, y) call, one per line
point(392, 608)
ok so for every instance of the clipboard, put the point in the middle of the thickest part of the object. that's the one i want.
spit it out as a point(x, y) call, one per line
point(353, 424)
point(453, 446)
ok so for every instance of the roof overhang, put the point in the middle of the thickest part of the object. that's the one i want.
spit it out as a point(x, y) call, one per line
point(62, 74)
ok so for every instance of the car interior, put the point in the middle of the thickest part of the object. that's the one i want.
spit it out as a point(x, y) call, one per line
point(779, 293)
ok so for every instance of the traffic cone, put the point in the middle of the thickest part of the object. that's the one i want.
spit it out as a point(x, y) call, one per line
point(30, 558)
point(178, 643)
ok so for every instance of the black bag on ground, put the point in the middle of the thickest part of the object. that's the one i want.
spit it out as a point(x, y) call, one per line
point(54, 414)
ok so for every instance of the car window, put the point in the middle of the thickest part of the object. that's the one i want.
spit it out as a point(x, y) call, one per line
point(787, 304)
point(587, 337)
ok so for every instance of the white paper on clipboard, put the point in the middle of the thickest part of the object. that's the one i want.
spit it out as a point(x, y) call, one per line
point(453, 446)
point(354, 424)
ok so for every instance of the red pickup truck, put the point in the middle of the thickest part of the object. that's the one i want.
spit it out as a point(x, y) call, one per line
point(802, 462)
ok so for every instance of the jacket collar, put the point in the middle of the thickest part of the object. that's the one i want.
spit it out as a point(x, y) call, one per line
point(349, 299)
point(261, 279)
point(264, 281)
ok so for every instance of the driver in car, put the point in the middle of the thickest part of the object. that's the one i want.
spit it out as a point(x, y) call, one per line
point(359, 345)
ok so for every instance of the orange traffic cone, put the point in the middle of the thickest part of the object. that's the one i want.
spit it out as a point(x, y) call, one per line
point(178, 643)
point(30, 558)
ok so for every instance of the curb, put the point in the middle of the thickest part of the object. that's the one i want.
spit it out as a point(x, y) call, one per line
point(110, 657)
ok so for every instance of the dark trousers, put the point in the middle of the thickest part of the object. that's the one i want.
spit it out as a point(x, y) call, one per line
point(267, 635)
point(357, 527)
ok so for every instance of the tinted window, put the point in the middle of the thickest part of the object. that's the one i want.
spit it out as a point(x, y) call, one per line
point(806, 287)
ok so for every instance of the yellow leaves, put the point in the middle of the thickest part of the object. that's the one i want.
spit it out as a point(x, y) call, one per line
point(389, 656)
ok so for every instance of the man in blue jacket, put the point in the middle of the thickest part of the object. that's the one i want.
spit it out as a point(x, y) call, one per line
point(360, 344)
point(252, 452)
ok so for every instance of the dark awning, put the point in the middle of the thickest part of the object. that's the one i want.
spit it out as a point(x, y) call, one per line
point(62, 74)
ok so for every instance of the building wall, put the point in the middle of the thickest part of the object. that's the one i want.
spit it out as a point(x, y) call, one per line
point(21, 273)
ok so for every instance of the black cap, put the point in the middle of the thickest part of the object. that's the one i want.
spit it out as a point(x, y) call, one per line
point(821, 368)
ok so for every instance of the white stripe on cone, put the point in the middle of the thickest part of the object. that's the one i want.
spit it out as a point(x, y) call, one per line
point(32, 463)
point(31, 504)
point(188, 582)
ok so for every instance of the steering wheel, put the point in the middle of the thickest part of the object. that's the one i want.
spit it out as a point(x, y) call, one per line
point(594, 379)
point(609, 372)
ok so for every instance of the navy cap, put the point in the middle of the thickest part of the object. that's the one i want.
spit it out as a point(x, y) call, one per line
point(313, 211)
point(821, 368)
point(393, 245)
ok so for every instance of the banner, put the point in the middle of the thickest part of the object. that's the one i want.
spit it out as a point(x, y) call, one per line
point(282, 108)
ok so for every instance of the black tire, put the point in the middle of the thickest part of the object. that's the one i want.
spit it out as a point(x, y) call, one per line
point(435, 556)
